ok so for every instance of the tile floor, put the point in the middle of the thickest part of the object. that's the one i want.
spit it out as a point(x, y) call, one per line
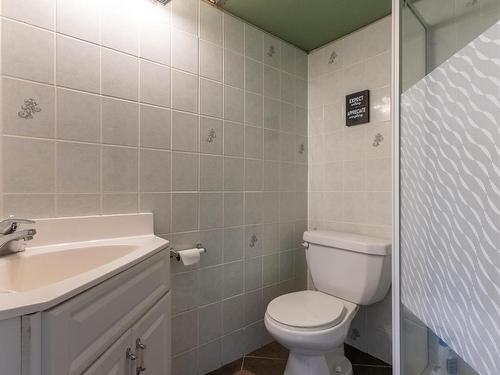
point(271, 360)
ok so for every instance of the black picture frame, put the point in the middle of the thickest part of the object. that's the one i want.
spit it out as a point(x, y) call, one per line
point(357, 108)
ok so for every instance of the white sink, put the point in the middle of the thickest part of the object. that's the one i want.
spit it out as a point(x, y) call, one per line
point(55, 269)
point(22, 272)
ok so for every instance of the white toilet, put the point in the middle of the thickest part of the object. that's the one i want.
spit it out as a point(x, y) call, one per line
point(347, 270)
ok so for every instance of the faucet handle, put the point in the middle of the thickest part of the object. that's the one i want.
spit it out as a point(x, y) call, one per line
point(10, 225)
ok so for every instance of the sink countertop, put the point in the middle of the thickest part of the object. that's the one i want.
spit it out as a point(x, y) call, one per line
point(99, 233)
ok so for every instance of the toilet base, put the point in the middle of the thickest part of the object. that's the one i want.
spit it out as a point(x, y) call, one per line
point(332, 363)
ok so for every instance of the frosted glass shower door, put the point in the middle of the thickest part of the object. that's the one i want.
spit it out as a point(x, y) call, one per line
point(449, 185)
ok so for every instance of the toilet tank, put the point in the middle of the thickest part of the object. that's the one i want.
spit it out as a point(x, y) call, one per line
point(349, 266)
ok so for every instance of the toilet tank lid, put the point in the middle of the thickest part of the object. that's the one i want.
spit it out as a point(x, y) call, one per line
point(349, 241)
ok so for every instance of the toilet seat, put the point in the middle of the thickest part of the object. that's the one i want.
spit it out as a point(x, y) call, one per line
point(309, 310)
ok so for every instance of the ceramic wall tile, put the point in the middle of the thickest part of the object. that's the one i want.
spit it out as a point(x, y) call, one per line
point(185, 51)
point(234, 135)
point(78, 167)
point(210, 60)
point(28, 108)
point(155, 34)
point(349, 168)
point(173, 109)
point(184, 131)
point(154, 84)
point(272, 51)
point(254, 109)
point(185, 211)
point(233, 104)
point(254, 39)
point(119, 75)
point(233, 33)
point(184, 91)
point(184, 331)
point(184, 171)
point(160, 205)
point(209, 321)
point(211, 135)
point(29, 205)
point(119, 169)
point(35, 156)
point(39, 14)
point(254, 75)
point(120, 25)
point(210, 98)
point(27, 52)
point(233, 69)
point(120, 122)
point(211, 210)
point(155, 127)
point(210, 24)
point(185, 15)
point(78, 204)
point(154, 171)
point(79, 19)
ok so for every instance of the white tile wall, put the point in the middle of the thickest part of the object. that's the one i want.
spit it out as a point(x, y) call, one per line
point(181, 110)
point(349, 170)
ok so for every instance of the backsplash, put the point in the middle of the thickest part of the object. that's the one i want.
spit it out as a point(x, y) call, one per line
point(129, 106)
point(350, 167)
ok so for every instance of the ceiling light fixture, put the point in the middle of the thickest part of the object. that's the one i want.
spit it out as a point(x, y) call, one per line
point(164, 2)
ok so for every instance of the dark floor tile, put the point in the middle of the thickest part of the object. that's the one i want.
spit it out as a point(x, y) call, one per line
point(272, 350)
point(371, 370)
point(357, 357)
point(264, 366)
point(229, 369)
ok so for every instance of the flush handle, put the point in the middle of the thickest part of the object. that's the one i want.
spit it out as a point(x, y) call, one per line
point(141, 347)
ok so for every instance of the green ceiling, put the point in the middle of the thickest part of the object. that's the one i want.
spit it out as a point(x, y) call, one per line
point(309, 24)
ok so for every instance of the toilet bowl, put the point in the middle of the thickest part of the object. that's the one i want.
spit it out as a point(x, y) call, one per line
point(347, 270)
point(313, 326)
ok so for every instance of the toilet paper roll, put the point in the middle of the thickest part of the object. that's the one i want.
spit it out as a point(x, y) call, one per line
point(190, 256)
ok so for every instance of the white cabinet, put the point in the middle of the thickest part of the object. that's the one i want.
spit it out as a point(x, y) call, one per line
point(142, 350)
point(114, 361)
point(121, 326)
point(151, 337)
point(10, 346)
point(77, 332)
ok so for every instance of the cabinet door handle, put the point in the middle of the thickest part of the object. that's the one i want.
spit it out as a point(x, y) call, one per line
point(130, 356)
point(141, 347)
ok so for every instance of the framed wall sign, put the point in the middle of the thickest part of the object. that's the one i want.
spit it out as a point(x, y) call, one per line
point(357, 107)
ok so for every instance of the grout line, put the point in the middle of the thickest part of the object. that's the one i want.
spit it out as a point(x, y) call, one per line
point(56, 146)
point(367, 365)
point(101, 138)
point(262, 357)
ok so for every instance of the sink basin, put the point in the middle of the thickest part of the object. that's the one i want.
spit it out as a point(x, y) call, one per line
point(27, 271)
point(71, 255)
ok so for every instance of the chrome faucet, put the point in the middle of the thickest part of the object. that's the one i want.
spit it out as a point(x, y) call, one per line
point(10, 237)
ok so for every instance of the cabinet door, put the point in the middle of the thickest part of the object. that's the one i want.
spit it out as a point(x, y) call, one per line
point(151, 337)
point(115, 361)
point(78, 331)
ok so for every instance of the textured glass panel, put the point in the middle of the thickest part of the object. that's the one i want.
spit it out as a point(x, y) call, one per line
point(450, 189)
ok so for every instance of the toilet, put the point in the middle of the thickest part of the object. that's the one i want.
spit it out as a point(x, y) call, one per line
point(347, 270)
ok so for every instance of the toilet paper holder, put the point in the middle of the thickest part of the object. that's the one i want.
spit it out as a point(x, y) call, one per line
point(175, 254)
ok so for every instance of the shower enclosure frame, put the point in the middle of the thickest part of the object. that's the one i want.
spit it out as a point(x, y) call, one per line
point(396, 285)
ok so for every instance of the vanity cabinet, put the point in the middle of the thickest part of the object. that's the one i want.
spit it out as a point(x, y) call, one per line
point(10, 346)
point(89, 296)
point(144, 349)
point(121, 326)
